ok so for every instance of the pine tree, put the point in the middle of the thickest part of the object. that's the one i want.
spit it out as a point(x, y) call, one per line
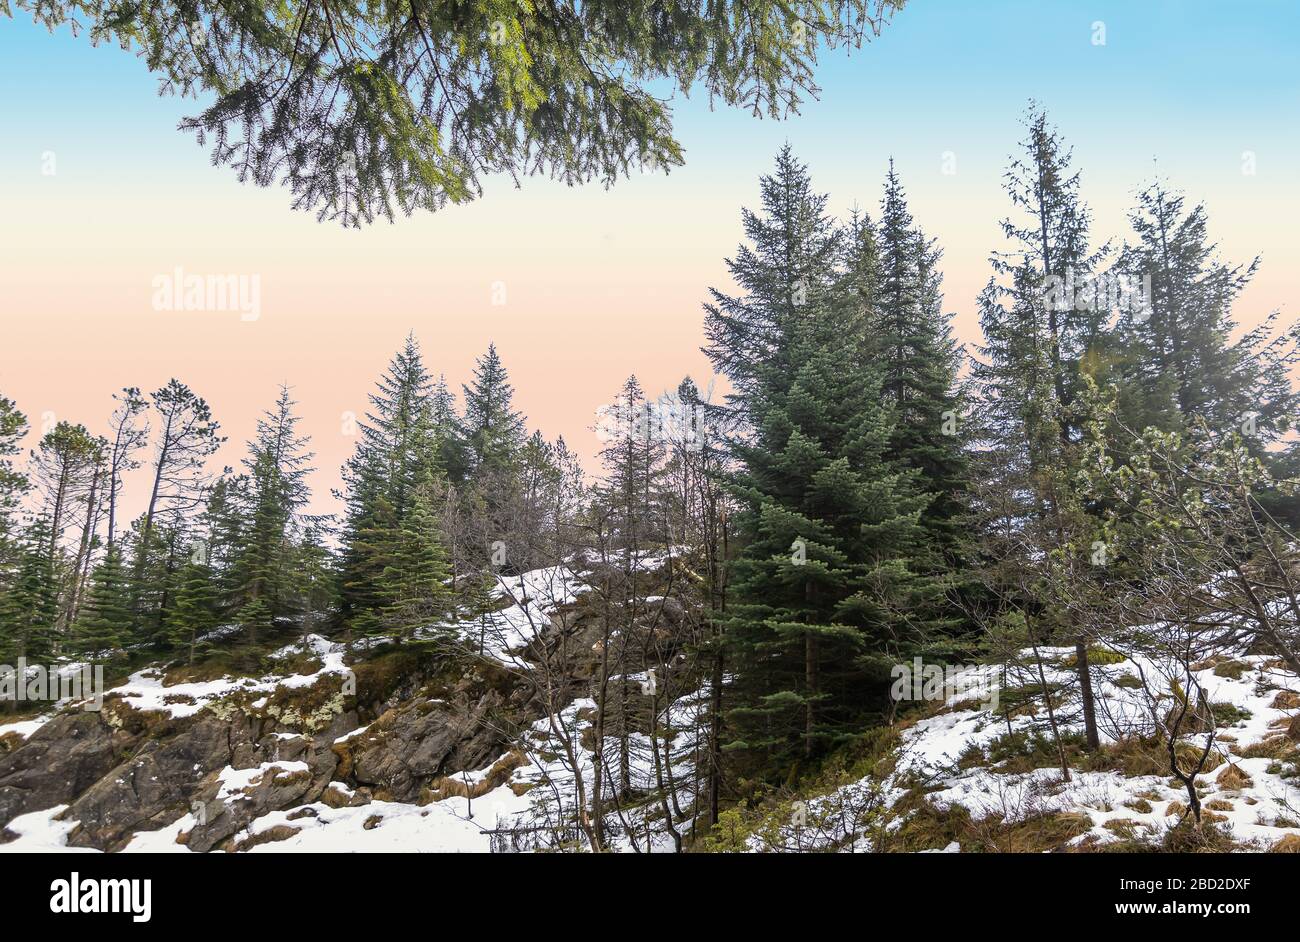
point(187, 437)
point(104, 624)
point(415, 584)
point(919, 361)
point(275, 491)
point(30, 606)
point(829, 521)
point(494, 431)
point(193, 612)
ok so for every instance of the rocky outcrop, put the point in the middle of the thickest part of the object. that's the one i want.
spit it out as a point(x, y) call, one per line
point(412, 744)
point(61, 760)
point(125, 770)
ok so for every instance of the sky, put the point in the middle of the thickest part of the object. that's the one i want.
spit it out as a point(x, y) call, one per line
point(600, 283)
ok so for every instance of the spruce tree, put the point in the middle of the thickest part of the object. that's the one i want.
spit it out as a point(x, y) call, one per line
point(789, 263)
point(823, 587)
point(830, 521)
point(1042, 340)
point(396, 450)
point(494, 431)
point(30, 606)
point(104, 624)
point(1183, 362)
point(13, 483)
point(414, 586)
point(919, 362)
point(193, 612)
point(274, 491)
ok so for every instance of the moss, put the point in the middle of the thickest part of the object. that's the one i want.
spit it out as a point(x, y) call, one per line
point(1127, 681)
point(1097, 657)
point(1234, 670)
point(1228, 714)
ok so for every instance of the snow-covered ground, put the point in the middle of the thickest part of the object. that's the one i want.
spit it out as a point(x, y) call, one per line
point(948, 753)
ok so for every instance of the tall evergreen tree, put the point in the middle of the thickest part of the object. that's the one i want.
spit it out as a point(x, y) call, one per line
point(104, 623)
point(275, 490)
point(829, 520)
point(494, 431)
point(13, 483)
point(415, 586)
point(30, 606)
point(1183, 361)
point(394, 454)
point(919, 362)
point(789, 263)
point(193, 612)
point(1042, 337)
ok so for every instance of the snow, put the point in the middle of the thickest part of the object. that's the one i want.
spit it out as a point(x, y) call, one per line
point(1260, 814)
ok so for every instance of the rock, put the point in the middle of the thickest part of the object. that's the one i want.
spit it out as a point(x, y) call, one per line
point(1233, 778)
point(276, 790)
point(158, 784)
point(58, 762)
point(281, 832)
point(1287, 845)
point(372, 822)
point(411, 745)
point(453, 787)
point(338, 795)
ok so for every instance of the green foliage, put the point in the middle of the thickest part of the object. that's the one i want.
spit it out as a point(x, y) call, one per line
point(30, 604)
point(367, 110)
point(104, 623)
point(831, 516)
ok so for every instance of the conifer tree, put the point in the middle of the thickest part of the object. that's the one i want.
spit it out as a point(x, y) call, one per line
point(30, 606)
point(790, 262)
point(104, 623)
point(415, 585)
point(275, 491)
point(1041, 341)
point(187, 436)
point(821, 590)
point(396, 451)
point(13, 483)
point(1183, 361)
point(494, 431)
point(829, 520)
point(193, 612)
point(919, 361)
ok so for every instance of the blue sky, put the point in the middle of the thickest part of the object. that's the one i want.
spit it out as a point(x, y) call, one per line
point(607, 282)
